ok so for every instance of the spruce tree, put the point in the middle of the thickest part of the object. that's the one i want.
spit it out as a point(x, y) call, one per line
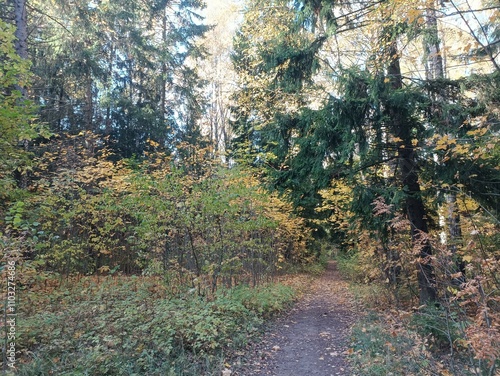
point(120, 69)
point(312, 116)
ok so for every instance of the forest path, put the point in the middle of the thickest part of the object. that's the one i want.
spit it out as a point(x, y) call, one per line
point(313, 337)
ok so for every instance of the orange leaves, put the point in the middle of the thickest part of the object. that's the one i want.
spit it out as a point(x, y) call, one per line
point(380, 207)
point(484, 336)
point(446, 373)
point(415, 15)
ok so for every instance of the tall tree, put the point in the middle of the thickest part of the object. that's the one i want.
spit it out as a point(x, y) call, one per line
point(118, 68)
point(359, 122)
point(403, 127)
point(16, 115)
point(435, 72)
point(218, 71)
point(21, 28)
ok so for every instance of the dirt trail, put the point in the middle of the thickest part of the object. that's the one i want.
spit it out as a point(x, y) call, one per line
point(313, 337)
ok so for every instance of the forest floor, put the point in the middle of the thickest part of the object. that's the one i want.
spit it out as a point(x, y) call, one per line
point(312, 338)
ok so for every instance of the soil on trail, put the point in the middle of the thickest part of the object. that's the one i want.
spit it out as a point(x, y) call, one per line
point(313, 338)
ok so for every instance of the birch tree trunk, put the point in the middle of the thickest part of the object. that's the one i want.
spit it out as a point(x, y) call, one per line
point(21, 46)
point(435, 71)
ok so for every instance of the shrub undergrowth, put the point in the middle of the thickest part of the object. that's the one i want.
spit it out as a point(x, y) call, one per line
point(135, 326)
point(397, 338)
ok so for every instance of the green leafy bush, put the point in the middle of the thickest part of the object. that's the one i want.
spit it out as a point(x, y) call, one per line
point(133, 326)
point(157, 216)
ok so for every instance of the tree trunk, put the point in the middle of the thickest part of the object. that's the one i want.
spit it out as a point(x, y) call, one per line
point(21, 46)
point(402, 129)
point(455, 232)
point(60, 109)
point(108, 121)
point(89, 105)
point(434, 70)
point(21, 33)
point(419, 232)
point(433, 59)
point(163, 79)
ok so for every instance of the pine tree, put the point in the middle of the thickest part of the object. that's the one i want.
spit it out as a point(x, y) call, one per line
point(120, 69)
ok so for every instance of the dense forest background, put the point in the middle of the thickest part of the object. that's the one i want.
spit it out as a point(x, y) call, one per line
point(181, 159)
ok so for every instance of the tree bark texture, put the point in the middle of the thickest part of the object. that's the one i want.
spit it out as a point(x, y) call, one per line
point(21, 33)
point(401, 127)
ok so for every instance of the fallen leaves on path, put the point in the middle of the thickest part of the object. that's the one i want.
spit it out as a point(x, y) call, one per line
point(312, 339)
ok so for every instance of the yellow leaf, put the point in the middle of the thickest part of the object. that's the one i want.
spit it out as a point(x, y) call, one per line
point(467, 258)
point(103, 269)
point(452, 290)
